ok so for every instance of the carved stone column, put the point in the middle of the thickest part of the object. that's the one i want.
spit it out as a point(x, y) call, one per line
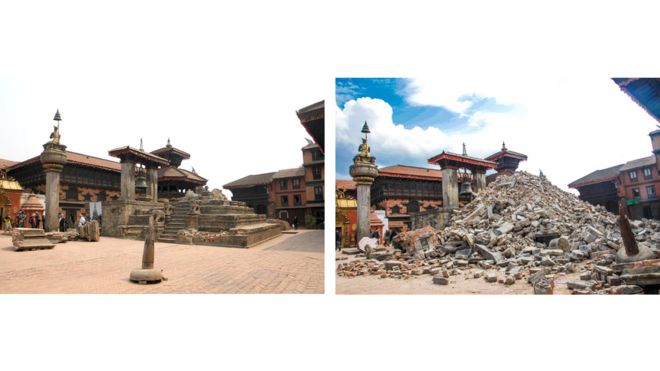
point(364, 174)
point(53, 159)
point(449, 188)
point(152, 183)
point(480, 178)
point(127, 180)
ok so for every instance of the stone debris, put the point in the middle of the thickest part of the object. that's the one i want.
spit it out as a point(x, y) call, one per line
point(27, 239)
point(520, 226)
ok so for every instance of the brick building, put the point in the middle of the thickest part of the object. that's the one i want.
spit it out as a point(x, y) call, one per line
point(637, 182)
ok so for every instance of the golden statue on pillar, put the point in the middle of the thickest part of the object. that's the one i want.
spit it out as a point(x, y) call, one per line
point(55, 135)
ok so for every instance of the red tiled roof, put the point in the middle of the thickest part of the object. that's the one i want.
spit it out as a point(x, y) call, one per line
point(445, 155)
point(506, 153)
point(412, 172)
point(78, 159)
point(6, 163)
point(173, 173)
point(345, 184)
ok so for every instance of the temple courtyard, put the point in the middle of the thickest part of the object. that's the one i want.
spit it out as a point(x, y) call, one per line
point(287, 264)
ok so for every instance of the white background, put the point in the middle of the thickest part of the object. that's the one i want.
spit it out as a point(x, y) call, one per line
point(260, 44)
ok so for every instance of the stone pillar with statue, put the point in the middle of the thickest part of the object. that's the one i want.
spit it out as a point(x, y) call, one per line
point(53, 159)
point(364, 172)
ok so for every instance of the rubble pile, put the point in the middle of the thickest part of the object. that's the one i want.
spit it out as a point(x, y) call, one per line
point(520, 227)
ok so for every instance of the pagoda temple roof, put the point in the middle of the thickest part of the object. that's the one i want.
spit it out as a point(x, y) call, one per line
point(462, 160)
point(177, 174)
point(506, 153)
point(410, 172)
point(138, 156)
point(598, 176)
point(169, 150)
point(251, 181)
point(644, 91)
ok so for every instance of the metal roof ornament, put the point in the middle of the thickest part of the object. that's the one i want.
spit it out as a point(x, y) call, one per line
point(57, 116)
point(365, 130)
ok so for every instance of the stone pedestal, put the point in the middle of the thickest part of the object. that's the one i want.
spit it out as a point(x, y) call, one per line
point(480, 179)
point(52, 159)
point(363, 174)
point(449, 188)
point(127, 180)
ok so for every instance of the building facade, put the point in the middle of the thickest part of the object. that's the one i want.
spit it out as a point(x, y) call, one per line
point(400, 190)
point(636, 182)
point(255, 191)
point(288, 195)
point(88, 179)
point(314, 167)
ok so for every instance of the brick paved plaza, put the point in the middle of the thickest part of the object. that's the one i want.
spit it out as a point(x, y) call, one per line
point(288, 264)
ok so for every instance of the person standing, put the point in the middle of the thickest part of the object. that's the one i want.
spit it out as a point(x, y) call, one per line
point(32, 219)
point(37, 220)
point(61, 222)
point(82, 220)
point(21, 219)
point(295, 222)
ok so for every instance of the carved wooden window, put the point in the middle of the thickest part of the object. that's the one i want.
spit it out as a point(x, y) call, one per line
point(285, 200)
point(283, 183)
point(296, 183)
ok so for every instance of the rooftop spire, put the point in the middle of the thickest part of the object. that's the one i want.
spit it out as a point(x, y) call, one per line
point(57, 117)
point(141, 147)
point(168, 142)
point(503, 146)
point(464, 150)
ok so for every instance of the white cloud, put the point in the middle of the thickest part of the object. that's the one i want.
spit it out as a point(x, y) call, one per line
point(568, 127)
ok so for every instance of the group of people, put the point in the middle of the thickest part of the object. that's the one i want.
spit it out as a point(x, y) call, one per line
point(37, 220)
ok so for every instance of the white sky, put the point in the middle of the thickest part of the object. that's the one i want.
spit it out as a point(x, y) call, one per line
point(155, 72)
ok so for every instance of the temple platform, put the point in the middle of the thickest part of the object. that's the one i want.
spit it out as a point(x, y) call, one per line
point(203, 220)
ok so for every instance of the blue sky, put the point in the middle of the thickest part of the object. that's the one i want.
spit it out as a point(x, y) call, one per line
point(410, 114)
point(563, 123)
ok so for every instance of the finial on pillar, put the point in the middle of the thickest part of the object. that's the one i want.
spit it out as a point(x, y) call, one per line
point(464, 150)
point(141, 147)
point(365, 129)
point(57, 117)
